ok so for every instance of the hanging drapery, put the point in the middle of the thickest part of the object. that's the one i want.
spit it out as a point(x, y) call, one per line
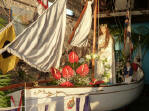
point(40, 45)
point(8, 109)
point(77, 103)
point(128, 46)
point(58, 99)
point(16, 100)
point(7, 60)
point(80, 36)
point(48, 106)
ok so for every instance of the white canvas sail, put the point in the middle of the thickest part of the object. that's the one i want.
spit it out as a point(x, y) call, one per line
point(80, 38)
point(40, 45)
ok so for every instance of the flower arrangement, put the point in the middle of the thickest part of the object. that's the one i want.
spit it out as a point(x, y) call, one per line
point(76, 72)
point(107, 67)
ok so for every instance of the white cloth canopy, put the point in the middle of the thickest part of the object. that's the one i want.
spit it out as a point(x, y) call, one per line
point(40, 45)
point(80, 38)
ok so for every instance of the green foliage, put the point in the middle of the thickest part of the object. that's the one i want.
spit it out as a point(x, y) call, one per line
point(73, 65)
point(4, 81)
point(107, 67)
point(2, 22)
point(144, 37)
point(81, 81)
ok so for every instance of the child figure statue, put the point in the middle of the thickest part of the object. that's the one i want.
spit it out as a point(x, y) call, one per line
point(128, 72)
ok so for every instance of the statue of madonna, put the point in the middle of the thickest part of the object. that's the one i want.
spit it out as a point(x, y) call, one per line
point(106, 63)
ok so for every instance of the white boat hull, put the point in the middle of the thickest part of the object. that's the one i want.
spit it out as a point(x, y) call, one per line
point(101, 98)
point(115, 97)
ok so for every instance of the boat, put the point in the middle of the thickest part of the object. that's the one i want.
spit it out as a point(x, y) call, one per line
point(102, 98)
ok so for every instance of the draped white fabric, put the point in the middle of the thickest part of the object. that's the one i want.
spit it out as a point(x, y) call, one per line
point(57, 99)
point(82, 102)
point(48, 106)
point(16, 99)
point(80, 38)
point(40, 45)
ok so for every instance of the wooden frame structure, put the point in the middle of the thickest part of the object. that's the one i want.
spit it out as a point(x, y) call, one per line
point(123, 13)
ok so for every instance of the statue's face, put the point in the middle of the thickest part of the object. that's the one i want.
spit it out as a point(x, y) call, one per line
point(128, 64)
point(103, 29)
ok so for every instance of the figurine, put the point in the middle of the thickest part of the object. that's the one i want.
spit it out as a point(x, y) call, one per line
point(128, 72)
point(105, 51)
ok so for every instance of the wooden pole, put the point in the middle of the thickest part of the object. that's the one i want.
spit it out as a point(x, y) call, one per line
point(94, 37)
point(9, 15)
point(77, 23)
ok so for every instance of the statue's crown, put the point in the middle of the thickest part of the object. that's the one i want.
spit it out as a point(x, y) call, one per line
point(104, 25)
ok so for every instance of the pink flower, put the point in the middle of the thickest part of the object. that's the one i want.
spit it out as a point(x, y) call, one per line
point(83, 70)
point(66, 84)
point(67, 72)
point(55, 73)
point(73, 57)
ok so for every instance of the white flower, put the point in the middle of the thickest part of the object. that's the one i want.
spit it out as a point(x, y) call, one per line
point(88, 57)
point(56, 67)
point(62, 80)
point(108, 75)
point(94, 56)
point(105, 79)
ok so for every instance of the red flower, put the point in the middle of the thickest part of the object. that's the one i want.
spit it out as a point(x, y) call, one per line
point(55, 73)
point(73, 57)
point(67, 72)
point(99, 82)
point(95, 82)
point(91, 83)
point(83, 70)
point(67, 84)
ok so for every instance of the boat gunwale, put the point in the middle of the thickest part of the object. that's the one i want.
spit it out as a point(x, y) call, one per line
point(113, 85)
point(98, 91)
